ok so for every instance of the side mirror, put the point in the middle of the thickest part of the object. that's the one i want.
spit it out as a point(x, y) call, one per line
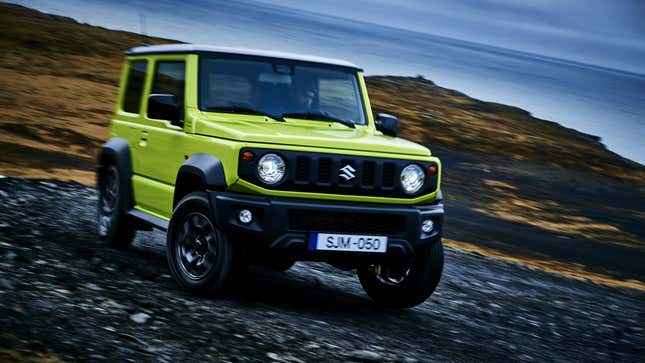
point(164, 107)
point(387, 124)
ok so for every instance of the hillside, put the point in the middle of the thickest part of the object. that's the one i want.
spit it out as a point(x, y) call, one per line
point(59, 80)
point(436, 115)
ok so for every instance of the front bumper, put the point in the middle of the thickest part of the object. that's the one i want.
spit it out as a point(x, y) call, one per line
point(283, 225)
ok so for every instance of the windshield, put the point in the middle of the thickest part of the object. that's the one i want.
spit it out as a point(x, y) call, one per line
point(280, 88)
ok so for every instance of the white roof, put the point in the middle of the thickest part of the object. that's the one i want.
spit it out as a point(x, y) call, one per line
point(199, 48)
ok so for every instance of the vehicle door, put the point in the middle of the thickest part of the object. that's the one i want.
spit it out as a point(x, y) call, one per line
point(126, 123)
point(161, 143)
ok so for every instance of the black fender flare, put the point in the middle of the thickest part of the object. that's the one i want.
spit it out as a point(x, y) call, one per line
point(117, 151)
point(201, 171)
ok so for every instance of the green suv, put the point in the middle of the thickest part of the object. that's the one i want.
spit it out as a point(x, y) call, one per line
point(254, 157)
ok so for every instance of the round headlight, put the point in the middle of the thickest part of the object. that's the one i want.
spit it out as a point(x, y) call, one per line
point(271, 169)
point(412, 178)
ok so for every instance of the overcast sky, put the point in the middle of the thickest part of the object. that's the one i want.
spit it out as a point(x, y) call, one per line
point(608, 33)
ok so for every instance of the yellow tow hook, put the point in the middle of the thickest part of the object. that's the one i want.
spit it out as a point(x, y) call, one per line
point(377, 270)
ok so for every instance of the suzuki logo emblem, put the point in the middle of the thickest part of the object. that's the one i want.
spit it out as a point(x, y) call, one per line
point(347, 172)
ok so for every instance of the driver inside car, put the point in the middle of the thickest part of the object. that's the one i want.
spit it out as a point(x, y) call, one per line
point(304, 96)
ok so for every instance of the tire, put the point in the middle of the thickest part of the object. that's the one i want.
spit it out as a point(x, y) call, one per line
point(200, 257)
point(413, 287)
point(115, 226)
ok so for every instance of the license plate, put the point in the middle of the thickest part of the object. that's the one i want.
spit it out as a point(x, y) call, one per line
point(347, 242)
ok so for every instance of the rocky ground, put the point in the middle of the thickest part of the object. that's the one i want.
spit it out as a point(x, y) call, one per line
point(63, 292)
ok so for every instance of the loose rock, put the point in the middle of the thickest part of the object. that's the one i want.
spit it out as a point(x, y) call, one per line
point(139, 318)
point(6, 284)
point(365, 356)
point(93, 287)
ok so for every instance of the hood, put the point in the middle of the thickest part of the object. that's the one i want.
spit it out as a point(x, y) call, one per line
point(323, 134)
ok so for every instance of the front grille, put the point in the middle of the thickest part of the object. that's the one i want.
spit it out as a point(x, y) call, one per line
point(343, 222)
point(337, 174)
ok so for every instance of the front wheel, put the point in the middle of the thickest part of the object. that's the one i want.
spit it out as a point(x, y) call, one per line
point(404, 285)
point(200, 257)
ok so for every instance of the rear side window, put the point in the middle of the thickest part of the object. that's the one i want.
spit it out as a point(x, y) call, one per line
point(170, 79)
point(134, 87)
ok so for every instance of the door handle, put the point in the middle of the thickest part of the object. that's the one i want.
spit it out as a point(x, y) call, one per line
point(143, 139)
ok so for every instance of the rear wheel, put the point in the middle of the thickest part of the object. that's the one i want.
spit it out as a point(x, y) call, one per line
point(115, 226)
point(200, 256)
point(407, 284)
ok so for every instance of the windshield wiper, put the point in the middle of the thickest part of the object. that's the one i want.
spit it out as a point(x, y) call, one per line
point(244, 110)
point(319, 116)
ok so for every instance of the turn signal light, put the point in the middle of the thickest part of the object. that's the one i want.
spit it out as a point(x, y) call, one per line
point(432, 169)
point(248, 156)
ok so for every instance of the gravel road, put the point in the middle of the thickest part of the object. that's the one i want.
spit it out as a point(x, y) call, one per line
point(63, 291)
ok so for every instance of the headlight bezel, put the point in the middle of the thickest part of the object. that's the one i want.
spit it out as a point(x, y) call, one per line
point(281, 166)
point(418, 183)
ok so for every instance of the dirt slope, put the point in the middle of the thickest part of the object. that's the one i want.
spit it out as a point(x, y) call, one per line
point(64, 292)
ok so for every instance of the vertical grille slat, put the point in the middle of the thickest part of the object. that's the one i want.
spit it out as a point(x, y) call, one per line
point(302, 168)
point(367, 176)
point(324, 170)
point(388, 175)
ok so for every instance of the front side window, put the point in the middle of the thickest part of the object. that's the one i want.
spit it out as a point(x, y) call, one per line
point(279, 88)
point(170, 78)
point(134, 88)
